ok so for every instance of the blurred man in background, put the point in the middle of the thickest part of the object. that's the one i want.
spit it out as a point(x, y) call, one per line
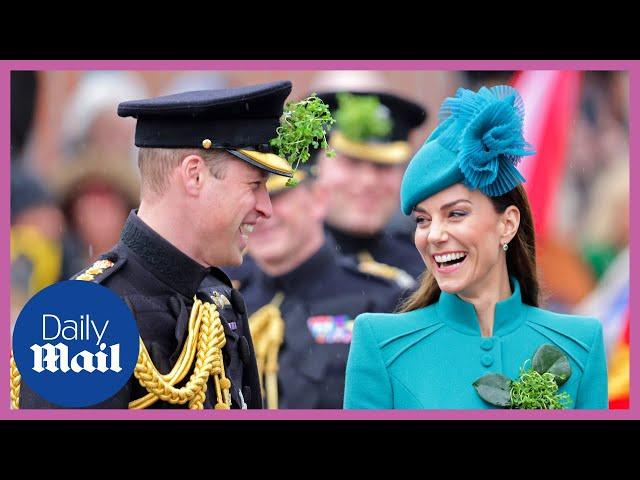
point(363, 179)
point(302, 297)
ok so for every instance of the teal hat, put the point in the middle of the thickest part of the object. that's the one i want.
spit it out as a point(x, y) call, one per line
point(478, 142)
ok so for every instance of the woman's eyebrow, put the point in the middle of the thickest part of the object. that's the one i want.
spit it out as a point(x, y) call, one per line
point(443, 207)
point(451, 204)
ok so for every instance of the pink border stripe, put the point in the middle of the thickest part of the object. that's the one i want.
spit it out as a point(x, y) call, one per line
point(5, 139)
point(320, 64)
point(319, 415)
point(634, 242)
point(634, 126)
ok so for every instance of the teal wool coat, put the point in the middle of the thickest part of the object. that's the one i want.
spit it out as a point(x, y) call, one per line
point(430, 357)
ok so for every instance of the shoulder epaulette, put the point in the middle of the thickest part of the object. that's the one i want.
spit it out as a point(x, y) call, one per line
point(101, 269)
point(368, 265)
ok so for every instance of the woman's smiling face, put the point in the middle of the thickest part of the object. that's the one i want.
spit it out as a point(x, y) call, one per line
point(459, 235)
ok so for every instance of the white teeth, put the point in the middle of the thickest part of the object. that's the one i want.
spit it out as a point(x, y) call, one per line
point(449, 256)
point(246, 229)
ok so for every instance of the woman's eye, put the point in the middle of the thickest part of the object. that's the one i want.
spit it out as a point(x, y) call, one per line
point(457, 213)
point(421, 220)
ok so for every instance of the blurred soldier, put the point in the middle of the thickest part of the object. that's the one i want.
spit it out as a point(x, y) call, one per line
point(371, 142)
point(302, 297)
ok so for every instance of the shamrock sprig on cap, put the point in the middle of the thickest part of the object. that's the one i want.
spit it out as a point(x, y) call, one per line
point(361, 117)
point(303, 124)
point(536, 387)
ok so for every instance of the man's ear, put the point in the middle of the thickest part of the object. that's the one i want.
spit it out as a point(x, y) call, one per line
point(192, 174)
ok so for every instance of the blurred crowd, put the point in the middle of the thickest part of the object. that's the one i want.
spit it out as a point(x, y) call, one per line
point(74, 176)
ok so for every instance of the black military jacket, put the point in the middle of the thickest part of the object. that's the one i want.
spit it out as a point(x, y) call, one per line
point(392, 247)
point(158, 282)
point(322, 297)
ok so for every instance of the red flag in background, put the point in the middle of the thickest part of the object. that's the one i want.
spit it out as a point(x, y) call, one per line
point(619, 371)
point(551, 101)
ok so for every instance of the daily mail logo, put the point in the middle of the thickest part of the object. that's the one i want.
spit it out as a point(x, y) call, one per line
point(75, 344)
point(55, 358)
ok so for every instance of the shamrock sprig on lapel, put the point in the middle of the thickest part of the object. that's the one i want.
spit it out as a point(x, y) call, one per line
point(536, 387)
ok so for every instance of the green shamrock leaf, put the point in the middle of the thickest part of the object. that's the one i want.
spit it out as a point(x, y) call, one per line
point(303, 124)
point(553, 360)
point(494, 389)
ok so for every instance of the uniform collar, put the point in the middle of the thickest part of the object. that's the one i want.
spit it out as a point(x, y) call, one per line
point(461, 315)
point(297, 280)
point(161, 258)
point(352, 244)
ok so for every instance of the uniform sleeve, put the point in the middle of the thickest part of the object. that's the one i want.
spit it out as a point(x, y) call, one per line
point(367, 383)
point(592, 393)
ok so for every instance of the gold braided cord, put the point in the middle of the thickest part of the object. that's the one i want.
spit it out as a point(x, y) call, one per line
point(267, 332)
point(209, 361)
point(182, 366)
point(15, 379)
point(271, 382)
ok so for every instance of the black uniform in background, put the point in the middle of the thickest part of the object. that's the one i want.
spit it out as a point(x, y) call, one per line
point(392, 247)
point(322, 297)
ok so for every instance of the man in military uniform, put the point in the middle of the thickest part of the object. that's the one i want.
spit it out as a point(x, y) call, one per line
point(364, 177)
point(302, 297)
point(204, 161)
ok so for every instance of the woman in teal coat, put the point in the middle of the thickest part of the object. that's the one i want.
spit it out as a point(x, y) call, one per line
point(475, 320)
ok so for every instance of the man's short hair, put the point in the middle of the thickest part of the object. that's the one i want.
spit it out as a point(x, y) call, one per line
point(156, 165)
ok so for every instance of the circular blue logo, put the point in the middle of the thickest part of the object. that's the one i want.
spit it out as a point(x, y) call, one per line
point(75, 343)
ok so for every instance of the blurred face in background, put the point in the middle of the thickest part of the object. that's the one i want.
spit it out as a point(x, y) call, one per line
point(294, 231)
point(363, 195)
point(98, 214)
